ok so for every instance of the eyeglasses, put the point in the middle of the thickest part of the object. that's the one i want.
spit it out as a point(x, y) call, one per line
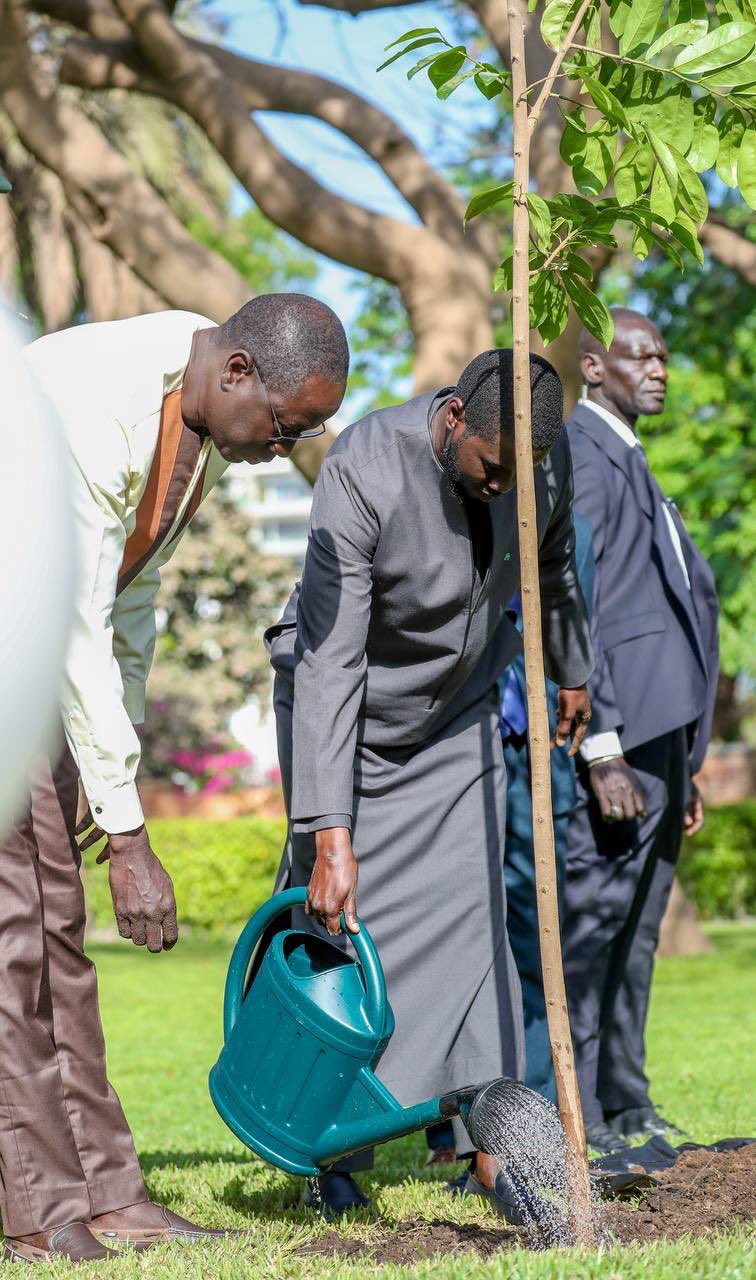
point(282, 437)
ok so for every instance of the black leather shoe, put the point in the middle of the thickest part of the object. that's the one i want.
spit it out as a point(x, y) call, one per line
point(332, 1194)
point(604, 1140)
point(642, 1122)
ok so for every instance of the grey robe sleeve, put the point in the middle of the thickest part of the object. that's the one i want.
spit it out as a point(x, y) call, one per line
point(330, 665)
point(566, 630)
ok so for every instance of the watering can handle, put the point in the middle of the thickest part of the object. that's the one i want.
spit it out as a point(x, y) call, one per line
point(375, 983)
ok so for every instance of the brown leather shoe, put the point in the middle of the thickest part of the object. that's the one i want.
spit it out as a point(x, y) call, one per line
point(74, 1242)
point(142, 1225)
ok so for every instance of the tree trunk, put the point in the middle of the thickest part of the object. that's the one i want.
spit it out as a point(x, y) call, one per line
point(680, 933)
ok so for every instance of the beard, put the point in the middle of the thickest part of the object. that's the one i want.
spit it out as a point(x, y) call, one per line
point(453, 472)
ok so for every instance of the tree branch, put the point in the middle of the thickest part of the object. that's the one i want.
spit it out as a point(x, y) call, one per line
point(265, 86)
point(561, 54)
point(120, 208)
point(729, 248)
point(191, 79)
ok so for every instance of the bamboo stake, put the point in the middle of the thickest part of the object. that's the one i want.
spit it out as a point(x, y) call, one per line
point(538, 724)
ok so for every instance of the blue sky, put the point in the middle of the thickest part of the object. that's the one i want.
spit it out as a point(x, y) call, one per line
point(348, 50)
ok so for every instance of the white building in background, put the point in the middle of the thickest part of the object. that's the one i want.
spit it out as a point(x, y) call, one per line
point(277, 500)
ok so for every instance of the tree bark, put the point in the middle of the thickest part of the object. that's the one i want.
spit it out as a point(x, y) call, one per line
point(538, 721)
point(680, 933)
point(120, 208)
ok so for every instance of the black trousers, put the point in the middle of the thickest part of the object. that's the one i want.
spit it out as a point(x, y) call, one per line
point(618, 879)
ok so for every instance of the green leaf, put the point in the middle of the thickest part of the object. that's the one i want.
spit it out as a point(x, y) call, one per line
point(540, 221)
point(416, 44)
point(574, 209)
point(604, 99)
point(590, 156)
point(502, 281)
point(410, 35)
point(690, 189)
point(619, 11)
point(633, 172)
point(447, 66)
point(448, 88)
point(642, 242)
point(742, 73)
point(575, 263)
point(556, 311)
point(665, 158)
point(590, 309)
point(661, 103)
point(556, 20)
point(642, 22)
point(484, 200)
point(721, 47)
point(731, 130)
point(491, 84)
point(661, 199)
point(681, 33)
point(703, 150)
point(685, 232)
point(424, 62)
point(747, 167)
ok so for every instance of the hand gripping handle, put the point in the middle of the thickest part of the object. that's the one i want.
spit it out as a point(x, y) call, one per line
point(375, 983)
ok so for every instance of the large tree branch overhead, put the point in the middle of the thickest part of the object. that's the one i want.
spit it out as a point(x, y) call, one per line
point(120, 208)
point(730, 248)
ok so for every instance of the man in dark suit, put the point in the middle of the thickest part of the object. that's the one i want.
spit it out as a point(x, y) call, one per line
point(654, 632)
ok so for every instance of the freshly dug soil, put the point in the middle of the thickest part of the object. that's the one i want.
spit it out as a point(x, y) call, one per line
point(704, 1192)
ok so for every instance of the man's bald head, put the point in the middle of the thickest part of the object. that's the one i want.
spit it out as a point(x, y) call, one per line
point(630, 378)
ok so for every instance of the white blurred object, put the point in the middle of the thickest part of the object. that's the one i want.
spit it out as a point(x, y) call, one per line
point(36, 591)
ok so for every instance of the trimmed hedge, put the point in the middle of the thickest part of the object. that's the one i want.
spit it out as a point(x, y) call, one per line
point(222, 871)
point(718, 866)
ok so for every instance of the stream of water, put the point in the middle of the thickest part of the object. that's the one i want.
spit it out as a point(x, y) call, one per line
point(523, 1132)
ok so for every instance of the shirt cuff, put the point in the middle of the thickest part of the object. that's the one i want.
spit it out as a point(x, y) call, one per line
point(597, 745)
point(302, 826)
point(117, 810)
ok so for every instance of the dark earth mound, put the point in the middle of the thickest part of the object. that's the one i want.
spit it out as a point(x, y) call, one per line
point(705, 1191)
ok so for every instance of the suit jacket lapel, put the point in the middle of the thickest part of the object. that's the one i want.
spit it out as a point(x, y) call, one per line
point(616, 450)
point(632, 462)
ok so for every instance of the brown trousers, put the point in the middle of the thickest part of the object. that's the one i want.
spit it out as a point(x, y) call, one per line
point(66, 1152)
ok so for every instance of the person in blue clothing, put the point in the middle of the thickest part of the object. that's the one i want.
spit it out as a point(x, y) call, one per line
point(519, 866)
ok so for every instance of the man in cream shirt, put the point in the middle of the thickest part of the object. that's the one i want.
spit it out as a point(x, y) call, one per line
point(153, 410)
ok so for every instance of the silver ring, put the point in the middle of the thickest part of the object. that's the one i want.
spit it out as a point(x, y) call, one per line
point(615, 812)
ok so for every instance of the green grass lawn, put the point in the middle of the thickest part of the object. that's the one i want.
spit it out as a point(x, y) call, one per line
point(163, 1017)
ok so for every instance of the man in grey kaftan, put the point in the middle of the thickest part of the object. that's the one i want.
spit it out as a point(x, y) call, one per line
point(386, 663)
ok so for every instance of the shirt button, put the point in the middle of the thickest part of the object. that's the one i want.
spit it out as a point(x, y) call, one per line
point(98, 808)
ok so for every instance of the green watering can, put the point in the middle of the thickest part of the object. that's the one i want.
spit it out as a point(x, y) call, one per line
point(295, 1080)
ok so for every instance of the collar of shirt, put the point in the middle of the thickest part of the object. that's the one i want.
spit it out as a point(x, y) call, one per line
point(621, 428)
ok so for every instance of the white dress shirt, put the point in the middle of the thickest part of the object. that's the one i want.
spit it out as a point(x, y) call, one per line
point(598, 745)
point(107, 382)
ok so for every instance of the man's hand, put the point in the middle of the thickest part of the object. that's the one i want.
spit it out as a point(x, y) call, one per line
point(141, 889)
point(693, 819)
point(618, 790)
point(333, 883)
point(574, 712)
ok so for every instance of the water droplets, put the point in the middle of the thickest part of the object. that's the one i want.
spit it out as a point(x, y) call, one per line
point(523, 1132)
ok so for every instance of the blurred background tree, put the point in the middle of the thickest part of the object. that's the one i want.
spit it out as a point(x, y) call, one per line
point(216, 598)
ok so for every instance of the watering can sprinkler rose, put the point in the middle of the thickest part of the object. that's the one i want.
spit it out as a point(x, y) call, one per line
point(295, 1080)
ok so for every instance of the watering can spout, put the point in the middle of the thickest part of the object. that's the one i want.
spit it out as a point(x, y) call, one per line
point(295, 1080)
